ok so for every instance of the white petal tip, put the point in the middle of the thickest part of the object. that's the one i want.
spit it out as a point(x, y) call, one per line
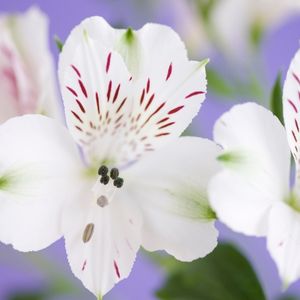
point(204, 62)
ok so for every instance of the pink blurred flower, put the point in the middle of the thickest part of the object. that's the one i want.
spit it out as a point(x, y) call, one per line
point(27, 82)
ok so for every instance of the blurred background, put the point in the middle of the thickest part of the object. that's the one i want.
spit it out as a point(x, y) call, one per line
point(249, 43)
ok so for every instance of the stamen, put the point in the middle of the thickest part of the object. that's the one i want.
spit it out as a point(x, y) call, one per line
point(88, 232)
point(103, 170)
point(102, 201)
point(118, 182)
point(114, 173)
point(104, 179)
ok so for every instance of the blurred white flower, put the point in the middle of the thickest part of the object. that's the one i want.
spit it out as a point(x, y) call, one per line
point(27, 78)
point(252, 194)
point(238, 24)
point(232, 26)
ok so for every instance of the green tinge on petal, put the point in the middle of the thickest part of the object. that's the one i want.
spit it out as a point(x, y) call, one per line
point(129, 36)
point(4, 182)
point(231, 158)
point(99, 297)
point(293, 201)
point(130, 49)
point(203, 62)
point(193, 203)
point(22, 180)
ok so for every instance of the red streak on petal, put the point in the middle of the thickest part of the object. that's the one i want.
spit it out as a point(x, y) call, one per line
point(83, 266)
point(163, 120)
point(76, 116)
point(72, 91)
point(107, 115)
point(116, 93)
point(97, 102)
point(92, 125)
point(166, 125)
point(296, 148)
point(78, 128)
point(293, 105)
point(162, 134)
point(296, 124)
point(130, 78)
point(83, 89)
point(119, 118)
point(149, 101)
point(109, 90)
point(121, 105)
point(76, 70)
point(296, 77)
point(118, 125)
point(295, 138)
point(138, 117)
point(154, 113)
point(175, 110)
point(108, 62)
point(80, 106)
point(117, 269)
point(194, 94)
point(169, 72)
point(142, 97)
point(144, 138)
point(148, 86)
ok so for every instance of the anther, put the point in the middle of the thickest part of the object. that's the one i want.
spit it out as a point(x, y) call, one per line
point(103, 170)
point(114, 173)
point(118, 182)
point(102, 201)
point(104, 179)
point(88, 232)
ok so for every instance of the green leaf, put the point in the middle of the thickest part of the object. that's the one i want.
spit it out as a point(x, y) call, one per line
point(217, 84)
point(225, 274)
point(276, 99)
point(59, 43)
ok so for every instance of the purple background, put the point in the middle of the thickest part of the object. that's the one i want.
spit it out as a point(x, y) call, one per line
point(19, 271)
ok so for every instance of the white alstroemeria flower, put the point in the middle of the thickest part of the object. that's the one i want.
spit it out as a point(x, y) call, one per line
point(27, 78)
point(128, 96)
point(236, 22)
point(252, 194)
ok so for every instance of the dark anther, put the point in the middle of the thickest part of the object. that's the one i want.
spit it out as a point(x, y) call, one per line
point(104, 179)
point(114, 173)
point(118, 182)
point(103, 170)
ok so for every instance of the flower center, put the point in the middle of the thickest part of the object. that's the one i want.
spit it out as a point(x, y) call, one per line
point(109, 183)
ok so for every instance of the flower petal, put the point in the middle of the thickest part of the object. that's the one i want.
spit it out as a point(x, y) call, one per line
point(101, 242)
point(166, 89)
point(170, 187)
point(169, 89)
point(256, 159)
point(283, 241)
point(30, 87)
point(95, 85)
point(291, 109)
point(39, 166)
